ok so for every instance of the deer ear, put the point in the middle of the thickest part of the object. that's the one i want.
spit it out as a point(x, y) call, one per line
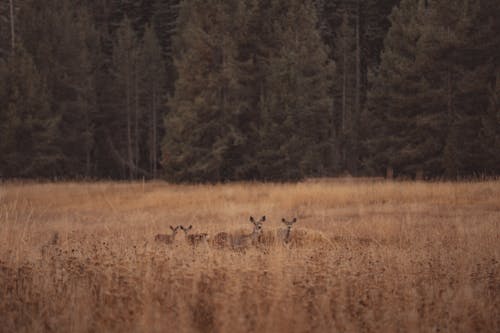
point(294, 219)
point(173, 228)
point(190, 227)
point(283, 220)
point(251, 219)
point(263, 218)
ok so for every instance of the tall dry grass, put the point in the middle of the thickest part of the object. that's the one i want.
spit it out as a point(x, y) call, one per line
point(364, 257)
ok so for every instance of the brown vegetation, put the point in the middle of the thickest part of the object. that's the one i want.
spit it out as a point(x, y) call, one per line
point(362, 257)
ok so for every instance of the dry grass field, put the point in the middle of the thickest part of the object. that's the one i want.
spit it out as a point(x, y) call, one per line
point(365, 256)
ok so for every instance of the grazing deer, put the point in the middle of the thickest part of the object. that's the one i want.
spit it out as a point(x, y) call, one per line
point(285, 233)
point(194, 239)
point(242, 241)
point(168, 239)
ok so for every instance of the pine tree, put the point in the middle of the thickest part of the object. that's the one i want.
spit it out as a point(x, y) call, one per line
point(63, 41)
point(344, 87)
point(431, 104)
point(296, 102)
point(75, 94)
point(354, 30)
point(394, 102)
point(153, 91)
point(127, 111)
point(164, 21)
point(4, 30)
point(200, 130)
point(8, 26)
point(28, 128)
point(457, 59)
point(484, 38)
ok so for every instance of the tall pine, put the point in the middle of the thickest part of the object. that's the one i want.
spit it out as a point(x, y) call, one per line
point(201, 129)
point(28, 127)
point(295, 100)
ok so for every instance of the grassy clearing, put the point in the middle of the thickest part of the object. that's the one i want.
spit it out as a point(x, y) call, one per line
point(365, 257)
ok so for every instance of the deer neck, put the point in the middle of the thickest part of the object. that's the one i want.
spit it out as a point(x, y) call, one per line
point(255, 234)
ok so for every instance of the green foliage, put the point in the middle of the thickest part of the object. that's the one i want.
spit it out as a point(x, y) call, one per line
point(201, 130)
point(153, 70)
point(28, 129)
point(63, 42)
point(206, 136)
point(138, 77)
point(296, 102)
point(393, 102)
point(246, 89)
point(431, 103)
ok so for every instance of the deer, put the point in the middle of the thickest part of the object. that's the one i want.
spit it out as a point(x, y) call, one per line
point(221, 240)
point(194, 239)
point(242, 241)
point(284, 234)
point(168, 239)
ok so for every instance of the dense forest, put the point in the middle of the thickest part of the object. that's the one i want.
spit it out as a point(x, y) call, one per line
point(219, 90)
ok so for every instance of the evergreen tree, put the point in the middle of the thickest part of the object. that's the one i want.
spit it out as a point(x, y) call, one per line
point(9, 11)
point(354, 30)
point(457, 59)
point(254, 94)
point(28, 129)
point(484, 41)
point(296, 102)
point(127, 111)
point(222, 81)
point(344, 88)
point(200, 129)
point(394, 102)
point(432, 103)
point(153, 77)
point(62, 40)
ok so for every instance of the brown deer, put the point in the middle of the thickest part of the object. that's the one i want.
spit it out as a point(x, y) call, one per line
point(242, 241)
point(284, 234)
point(221, 240)
point(167, 239)
point(194, 239)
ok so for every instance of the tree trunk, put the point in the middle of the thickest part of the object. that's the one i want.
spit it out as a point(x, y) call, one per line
point(344, 146)
point(12, 30)
point(154, 147)
point(354, 152)
point(129, 125)
point(389, 172)
point(449, 89)
point(136, 120)
point(87, 145)
point(344, 85)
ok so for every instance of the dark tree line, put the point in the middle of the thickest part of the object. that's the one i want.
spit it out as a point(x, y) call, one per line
point(89, 77)
point(216, 90)
point(433, 106)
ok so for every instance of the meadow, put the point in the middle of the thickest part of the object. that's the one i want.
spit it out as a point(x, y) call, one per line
point(364, 256)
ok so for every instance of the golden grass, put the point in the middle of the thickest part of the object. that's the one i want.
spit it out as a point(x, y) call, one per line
point(365, 257)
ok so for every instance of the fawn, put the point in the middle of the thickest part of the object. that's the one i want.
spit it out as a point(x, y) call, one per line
point(168, 239)
point(194, 239)
point(242, 241)
point(284, 234)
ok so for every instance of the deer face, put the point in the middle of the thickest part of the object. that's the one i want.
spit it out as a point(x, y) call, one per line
point(257, 225)
point(186, 229)
point(174, 230)
point(289, 224)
